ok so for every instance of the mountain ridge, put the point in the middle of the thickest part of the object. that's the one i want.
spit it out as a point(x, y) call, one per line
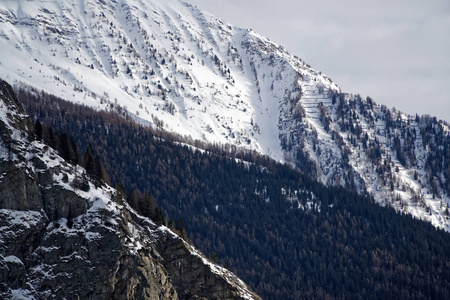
point(176, 67)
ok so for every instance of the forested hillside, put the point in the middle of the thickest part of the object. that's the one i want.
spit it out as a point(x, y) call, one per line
point(286, 235)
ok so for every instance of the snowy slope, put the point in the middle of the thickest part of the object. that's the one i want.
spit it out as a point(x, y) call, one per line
point(165, 61)
point(179, 68)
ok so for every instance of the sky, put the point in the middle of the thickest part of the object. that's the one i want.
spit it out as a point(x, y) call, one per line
point(397, 51)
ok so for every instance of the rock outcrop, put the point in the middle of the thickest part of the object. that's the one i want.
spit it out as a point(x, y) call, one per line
point(59, 242)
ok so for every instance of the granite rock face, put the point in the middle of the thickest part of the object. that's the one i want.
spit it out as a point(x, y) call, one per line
point(58, 242)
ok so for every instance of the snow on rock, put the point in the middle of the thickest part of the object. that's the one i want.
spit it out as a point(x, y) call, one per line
point(57, 241)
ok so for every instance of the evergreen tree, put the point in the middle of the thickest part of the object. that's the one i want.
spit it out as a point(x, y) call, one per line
point(38, 131)
point(134, 198)
point(98, 170)
point(159, 217)
point(68, 149)
point(73, 158)
point(51, 138)
point(145, 205)
point(88, 161)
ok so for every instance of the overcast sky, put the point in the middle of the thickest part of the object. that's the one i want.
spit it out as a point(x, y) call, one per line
point(395, 51)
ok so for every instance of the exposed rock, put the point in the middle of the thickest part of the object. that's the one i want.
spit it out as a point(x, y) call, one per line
point(192, 276)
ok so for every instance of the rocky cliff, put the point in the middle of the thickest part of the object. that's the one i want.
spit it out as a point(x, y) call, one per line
point(59, 242)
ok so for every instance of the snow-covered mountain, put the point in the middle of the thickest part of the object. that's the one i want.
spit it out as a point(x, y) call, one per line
point(179, 68)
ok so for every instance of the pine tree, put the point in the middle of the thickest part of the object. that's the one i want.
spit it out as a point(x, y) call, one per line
point(145, 205)
point(74, 154)
point(133, 199)
point(51, 138)
point(68, 149)
point(159, 217)
point(98, 170)
point(38, 131)
point(88, 161)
